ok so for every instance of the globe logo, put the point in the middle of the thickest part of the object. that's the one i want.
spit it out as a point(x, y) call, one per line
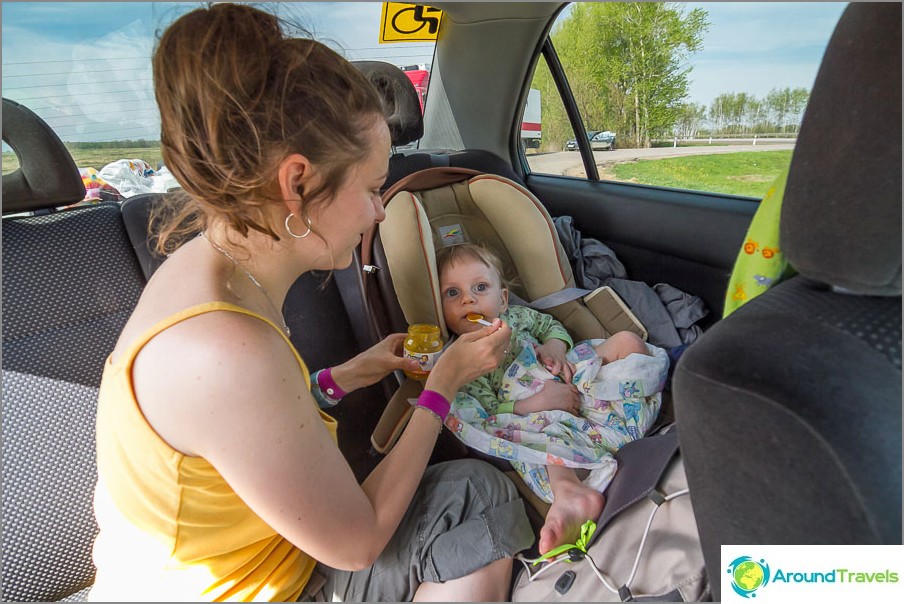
point(748, 575)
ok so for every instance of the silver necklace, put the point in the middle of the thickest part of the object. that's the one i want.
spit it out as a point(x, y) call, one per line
point(252, 279)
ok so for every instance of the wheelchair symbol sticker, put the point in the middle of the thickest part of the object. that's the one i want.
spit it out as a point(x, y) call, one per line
point(401, 22)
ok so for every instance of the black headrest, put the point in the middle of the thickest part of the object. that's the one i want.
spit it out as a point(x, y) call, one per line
point(841, 215)
point(47, 176)
point(401, 104)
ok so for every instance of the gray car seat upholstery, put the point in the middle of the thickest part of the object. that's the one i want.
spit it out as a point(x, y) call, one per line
point(70, 282)
point(790, 408)
point(45, 175)
point(400, 100)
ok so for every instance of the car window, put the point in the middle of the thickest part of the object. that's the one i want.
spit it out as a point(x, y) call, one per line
point(699, 96)
point(92, 83)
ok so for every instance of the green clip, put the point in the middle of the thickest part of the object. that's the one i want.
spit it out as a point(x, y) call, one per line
point(583, 542)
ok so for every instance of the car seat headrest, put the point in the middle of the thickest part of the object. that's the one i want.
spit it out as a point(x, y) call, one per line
point(841, 214)
point(47, 176)
point(400, 100)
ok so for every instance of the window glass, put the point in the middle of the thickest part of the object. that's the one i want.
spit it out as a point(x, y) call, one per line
point(91, 82)
point(701, 96)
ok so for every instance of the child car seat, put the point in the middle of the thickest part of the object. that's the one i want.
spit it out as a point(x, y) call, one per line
point(493, 207)
point(437, 198)
point(440, 207)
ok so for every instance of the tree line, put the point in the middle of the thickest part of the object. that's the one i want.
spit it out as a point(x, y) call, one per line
point(121, 144)
point(740, 113)
point(627, 66)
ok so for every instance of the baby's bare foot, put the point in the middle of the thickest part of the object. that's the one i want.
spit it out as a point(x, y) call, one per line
point(574, 505)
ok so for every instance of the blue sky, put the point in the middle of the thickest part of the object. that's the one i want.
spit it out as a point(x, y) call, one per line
point(85, 67)
point(756, 46)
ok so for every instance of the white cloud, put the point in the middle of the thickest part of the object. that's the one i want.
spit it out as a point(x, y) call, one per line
point(86, 91)
point(23, 45)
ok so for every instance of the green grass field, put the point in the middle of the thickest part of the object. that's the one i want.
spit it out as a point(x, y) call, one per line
point(96, 158)
point(748, 174)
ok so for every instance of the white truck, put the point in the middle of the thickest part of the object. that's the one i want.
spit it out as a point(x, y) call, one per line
point(530, 123)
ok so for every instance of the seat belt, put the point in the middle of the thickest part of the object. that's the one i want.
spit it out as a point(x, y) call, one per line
point(554, 299)
point(351, 290)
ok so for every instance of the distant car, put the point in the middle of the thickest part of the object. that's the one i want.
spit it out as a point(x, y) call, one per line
point(572, 145)
point(603, 140)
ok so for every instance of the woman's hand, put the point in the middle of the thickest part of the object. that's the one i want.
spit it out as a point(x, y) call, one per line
point(470, 356)
point(552, 354)
point(373, 364)
point(553, 396)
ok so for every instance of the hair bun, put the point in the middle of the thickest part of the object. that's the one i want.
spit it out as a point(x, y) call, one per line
point(237, 95)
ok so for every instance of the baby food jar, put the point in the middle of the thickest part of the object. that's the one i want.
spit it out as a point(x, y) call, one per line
point(423, 343)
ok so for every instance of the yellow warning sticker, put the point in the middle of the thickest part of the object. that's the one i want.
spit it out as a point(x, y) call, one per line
point(402, 22)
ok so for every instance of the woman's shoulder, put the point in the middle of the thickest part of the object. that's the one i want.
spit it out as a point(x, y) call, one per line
point(218, 330)
point(185, 307)
point(186, 327)
point(192, 325)
point(200, 374)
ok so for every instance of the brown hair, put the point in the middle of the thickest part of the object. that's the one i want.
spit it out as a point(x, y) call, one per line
point(237, 95)
point(448, 256)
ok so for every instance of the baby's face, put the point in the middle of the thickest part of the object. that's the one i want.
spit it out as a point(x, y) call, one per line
point(470, 286)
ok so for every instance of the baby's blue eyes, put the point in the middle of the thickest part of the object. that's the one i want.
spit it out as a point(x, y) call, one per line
point(479, 288)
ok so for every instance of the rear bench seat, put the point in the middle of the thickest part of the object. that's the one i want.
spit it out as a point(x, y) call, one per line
point(70, 281)
point(71, 278)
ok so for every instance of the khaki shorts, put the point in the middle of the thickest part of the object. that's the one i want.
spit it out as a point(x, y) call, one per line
point(464, 515)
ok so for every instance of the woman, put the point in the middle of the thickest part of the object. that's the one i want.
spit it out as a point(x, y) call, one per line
point(219, 478)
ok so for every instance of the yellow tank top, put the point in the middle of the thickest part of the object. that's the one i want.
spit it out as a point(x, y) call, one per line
point(171, 528)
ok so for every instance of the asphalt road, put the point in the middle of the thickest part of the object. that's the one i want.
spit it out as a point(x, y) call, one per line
point(569, 163)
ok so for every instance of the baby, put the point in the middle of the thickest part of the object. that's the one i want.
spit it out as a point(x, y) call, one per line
point(530, 409)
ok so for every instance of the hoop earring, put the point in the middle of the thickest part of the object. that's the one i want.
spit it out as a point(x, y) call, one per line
point(307, 221)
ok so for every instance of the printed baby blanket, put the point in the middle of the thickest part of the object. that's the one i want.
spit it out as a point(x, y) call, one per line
point(620, 401)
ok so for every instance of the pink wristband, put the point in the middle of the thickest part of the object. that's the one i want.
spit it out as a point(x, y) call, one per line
point(435, 402)
point(328, 386)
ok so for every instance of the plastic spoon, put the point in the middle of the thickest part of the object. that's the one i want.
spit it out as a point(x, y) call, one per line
point(477, 318)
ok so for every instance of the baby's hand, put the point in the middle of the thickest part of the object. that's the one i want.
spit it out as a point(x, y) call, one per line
point(552, 355)
point(553, 396)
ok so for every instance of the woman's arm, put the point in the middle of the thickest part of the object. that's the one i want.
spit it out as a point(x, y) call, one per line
point(373, 364)
point(396, 477)
point(234, 395)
